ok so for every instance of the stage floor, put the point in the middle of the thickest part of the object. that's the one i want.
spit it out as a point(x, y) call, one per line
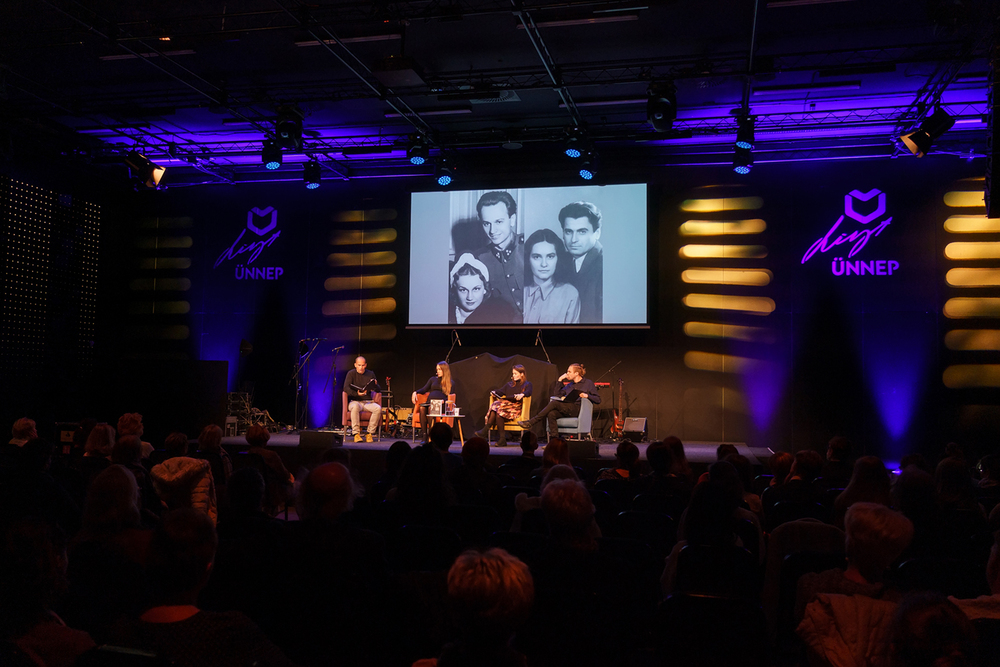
point(702, 452)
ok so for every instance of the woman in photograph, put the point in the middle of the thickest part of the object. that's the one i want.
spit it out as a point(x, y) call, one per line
point(507, 406)
point(548, 297)
point(472, 302)
point(437, 387)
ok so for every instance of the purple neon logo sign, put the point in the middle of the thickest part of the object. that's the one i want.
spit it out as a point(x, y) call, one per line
point(858, 238)
point(262, 223)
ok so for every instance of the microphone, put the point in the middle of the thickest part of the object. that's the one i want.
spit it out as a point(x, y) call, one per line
point(538, 337)
point(457, 339)
point(336, 348)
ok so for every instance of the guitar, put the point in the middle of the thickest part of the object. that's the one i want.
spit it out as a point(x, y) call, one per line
point(618, 430)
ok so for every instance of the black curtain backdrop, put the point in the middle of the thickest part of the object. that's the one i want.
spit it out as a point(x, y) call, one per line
point(475, 377)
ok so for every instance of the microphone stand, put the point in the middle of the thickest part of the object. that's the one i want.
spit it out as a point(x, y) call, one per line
point(297, 378)
point(538, 341)
point(333, 374)
point(454, 340)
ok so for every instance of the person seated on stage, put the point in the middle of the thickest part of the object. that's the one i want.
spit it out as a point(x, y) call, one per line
point(437, 387)
point(183, 481)
point(507, 406)
point(875, 538)
point(181, 556)
point(571, 381)
point(361, 388)
point(626, 463)
point(473, 300)
point(490, 594)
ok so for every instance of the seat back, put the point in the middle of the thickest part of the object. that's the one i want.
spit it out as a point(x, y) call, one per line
point(422, 398)
point(686, 628)
point(365, 416)
point(717, 569)
point(581, 424)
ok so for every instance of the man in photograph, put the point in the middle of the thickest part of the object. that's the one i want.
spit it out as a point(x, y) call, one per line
point(581, 227)
point(504, 256)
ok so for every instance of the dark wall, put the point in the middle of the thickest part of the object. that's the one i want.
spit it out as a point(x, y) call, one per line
point(857, 355)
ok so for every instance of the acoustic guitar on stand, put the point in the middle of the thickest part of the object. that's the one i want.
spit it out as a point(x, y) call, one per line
point(618, 430)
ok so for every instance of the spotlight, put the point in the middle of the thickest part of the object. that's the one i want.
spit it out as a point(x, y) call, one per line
point(742, 161)
point(588, 167)
point(271, 155)
point(144, 170)
point(444, 172)
point(661, 107)
point(744, 133)
point(417, 153)
point(311, 172)
point(288, 127)
point(931, 129)
point(573, 146)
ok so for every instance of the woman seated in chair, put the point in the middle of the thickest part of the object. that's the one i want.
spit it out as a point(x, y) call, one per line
point(438, 387)
point(507, 404)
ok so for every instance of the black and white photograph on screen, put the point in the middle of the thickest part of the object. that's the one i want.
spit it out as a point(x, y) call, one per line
point(529, 256)
point(549, 296)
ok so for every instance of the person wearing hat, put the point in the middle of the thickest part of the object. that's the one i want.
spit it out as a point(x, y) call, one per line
point(472, 300)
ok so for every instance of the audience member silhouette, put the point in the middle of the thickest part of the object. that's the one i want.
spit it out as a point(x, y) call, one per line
point(679, 462)
point(441, 438)
point(181, 556)
point(837, 469)
point(130, 423)
point(929, 631)
point(626, 463)
point(663, 480)
point(337, 571)
point(106, 557)
point(472, 481)
point(490, 594)
point(183, 481)
point(33, 572)
point(422, 495)
point(869, 483)
point(875, 537)
point(128, 452)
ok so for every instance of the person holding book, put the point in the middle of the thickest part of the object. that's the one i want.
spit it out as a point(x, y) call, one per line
point(565, 402)
point(361, 387)
point(506, 405)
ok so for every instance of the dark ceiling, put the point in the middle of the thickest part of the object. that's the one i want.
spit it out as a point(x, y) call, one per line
point(197, 85)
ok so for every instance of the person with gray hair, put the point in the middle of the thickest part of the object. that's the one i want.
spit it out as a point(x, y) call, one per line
point(875, 537)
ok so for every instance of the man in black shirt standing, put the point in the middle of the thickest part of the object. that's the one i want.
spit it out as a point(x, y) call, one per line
point(569, 382)
point(361, 386)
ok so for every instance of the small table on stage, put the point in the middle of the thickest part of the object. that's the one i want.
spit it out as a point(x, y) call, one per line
point(455, 414)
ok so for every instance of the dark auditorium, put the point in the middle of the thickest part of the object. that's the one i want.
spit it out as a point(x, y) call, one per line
point(500, 333)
